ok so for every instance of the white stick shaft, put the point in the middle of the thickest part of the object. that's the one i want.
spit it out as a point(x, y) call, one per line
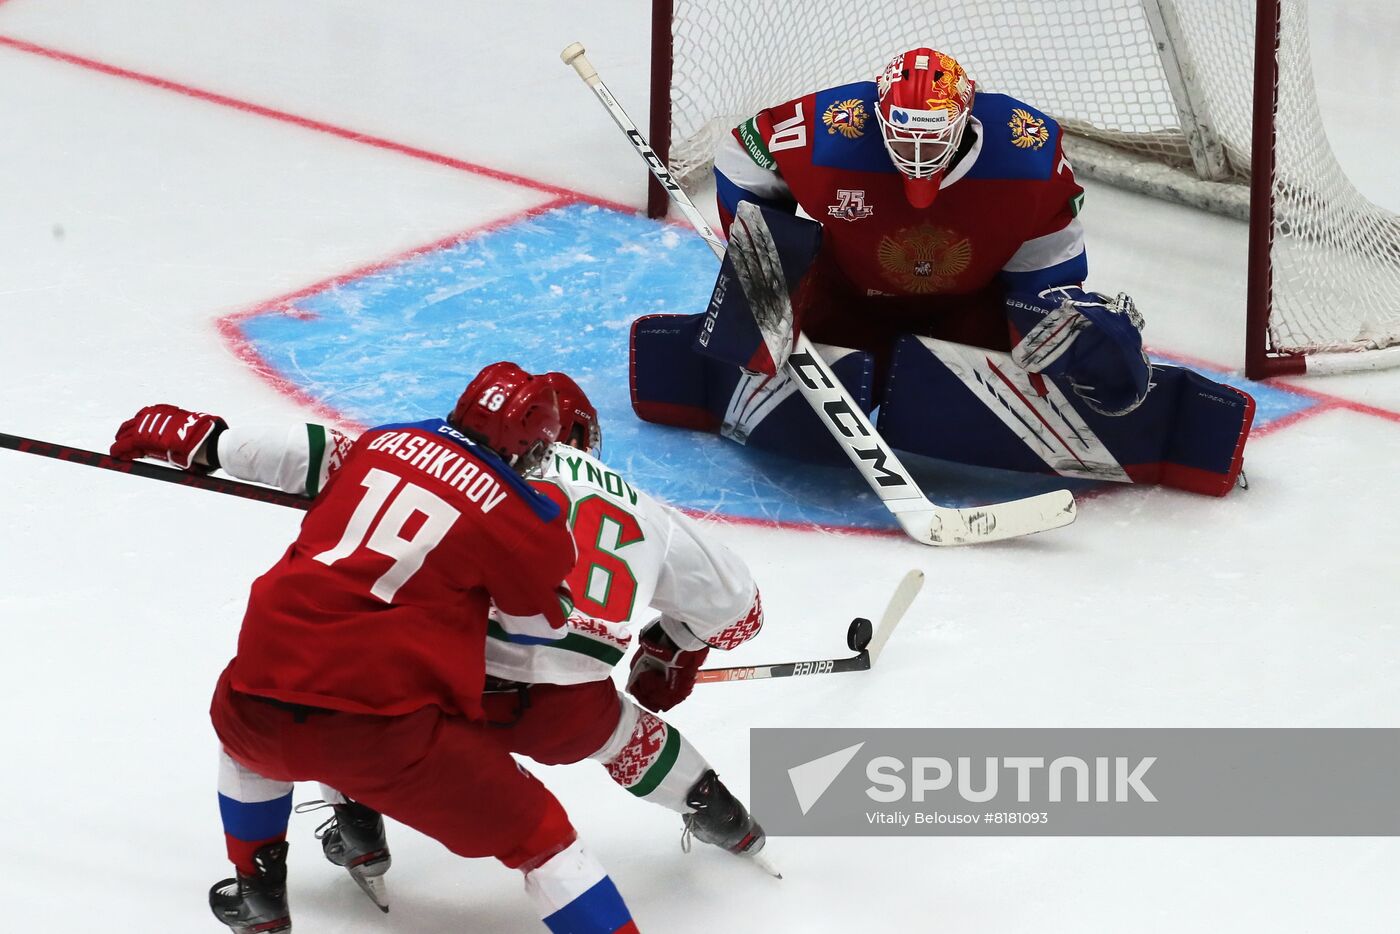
point(574, 55)
point(904, 595)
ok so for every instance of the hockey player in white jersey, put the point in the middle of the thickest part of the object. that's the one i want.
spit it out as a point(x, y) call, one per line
point(637, 557)
point(550, 691)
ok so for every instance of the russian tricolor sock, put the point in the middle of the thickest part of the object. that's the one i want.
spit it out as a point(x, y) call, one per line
point(254, 810)
point(573, 894)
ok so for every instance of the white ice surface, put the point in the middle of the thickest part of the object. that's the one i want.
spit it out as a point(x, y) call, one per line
point(134, 217)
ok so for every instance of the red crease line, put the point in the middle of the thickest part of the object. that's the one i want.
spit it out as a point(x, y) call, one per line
point(230, 326)
point(1326, 401)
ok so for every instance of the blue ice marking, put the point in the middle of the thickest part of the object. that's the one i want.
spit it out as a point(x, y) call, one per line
point(559, 291)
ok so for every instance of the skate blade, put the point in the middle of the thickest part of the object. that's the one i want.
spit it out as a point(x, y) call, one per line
point(374, 887)
point(763, 863)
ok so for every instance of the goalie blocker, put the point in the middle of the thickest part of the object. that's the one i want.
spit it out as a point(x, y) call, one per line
point(713, 372)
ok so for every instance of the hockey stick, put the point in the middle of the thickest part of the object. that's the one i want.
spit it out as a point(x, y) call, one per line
point(863, 639)
point(153, 471)
point(926, 522)
point(573, 55)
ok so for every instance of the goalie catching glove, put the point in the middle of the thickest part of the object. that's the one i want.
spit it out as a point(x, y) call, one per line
point(1087, 339)
point(169, 433)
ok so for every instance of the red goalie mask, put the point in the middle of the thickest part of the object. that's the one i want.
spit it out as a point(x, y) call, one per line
point(516, 414)
point(925, 101)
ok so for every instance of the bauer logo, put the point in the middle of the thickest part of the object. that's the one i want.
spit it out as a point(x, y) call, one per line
point(1172, 782)
point(707, 328)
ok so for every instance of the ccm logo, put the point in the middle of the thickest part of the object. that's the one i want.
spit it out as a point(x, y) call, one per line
point(862, 443)
point(657, 166)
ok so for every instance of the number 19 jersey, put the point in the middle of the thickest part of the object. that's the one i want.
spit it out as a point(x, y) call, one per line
point(380, 604)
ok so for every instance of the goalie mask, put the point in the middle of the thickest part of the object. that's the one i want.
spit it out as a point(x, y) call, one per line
point(924, 103)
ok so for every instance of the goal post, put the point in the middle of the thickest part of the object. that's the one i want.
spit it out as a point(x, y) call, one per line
point(1259, 285)
point(1207, 102)
point(662, 16)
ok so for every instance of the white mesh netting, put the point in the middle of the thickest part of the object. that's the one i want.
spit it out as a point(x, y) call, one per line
point(1095, 66)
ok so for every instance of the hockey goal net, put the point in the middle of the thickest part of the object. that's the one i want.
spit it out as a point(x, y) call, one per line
point(1155, 95)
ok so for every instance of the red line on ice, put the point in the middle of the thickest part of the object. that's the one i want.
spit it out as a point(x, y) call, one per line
point(307, 123)
point(1326, 402)
point(789, 525)
point(230, 326)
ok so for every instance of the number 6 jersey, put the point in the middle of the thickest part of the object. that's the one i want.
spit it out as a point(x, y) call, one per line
point(636, 557)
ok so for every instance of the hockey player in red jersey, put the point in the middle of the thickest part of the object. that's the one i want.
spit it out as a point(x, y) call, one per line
point(360, 662)
point(549, 692)
point(948, 226)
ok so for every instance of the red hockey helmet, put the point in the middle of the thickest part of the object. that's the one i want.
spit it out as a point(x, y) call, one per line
point(577, 416)
point(925, 100)
point(514, 413)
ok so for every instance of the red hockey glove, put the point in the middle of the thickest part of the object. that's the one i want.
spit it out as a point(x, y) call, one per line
point(168, 433)
point(663, 674)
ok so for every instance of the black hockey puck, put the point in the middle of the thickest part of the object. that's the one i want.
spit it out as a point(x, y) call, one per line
point(858, 636)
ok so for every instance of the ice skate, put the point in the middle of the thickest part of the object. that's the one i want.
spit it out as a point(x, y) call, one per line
point(256, 904)
point(718, 818)
point(353, 838)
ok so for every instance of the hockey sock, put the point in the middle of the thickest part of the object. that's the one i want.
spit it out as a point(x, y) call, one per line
point(651, 759)
point(573, 895)
point(254, 810)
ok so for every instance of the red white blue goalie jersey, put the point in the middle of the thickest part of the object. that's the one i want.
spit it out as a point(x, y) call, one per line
point(1004, 219)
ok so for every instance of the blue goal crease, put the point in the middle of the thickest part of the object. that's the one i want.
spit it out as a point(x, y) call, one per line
point(559, 291)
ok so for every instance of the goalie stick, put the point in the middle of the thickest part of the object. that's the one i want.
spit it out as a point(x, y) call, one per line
point(757, 263)
point(863, 639)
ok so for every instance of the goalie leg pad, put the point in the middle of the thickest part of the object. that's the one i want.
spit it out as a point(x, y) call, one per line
point(750, 321)
point(975, 406)
point(1205, 450)
point(673, 385)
